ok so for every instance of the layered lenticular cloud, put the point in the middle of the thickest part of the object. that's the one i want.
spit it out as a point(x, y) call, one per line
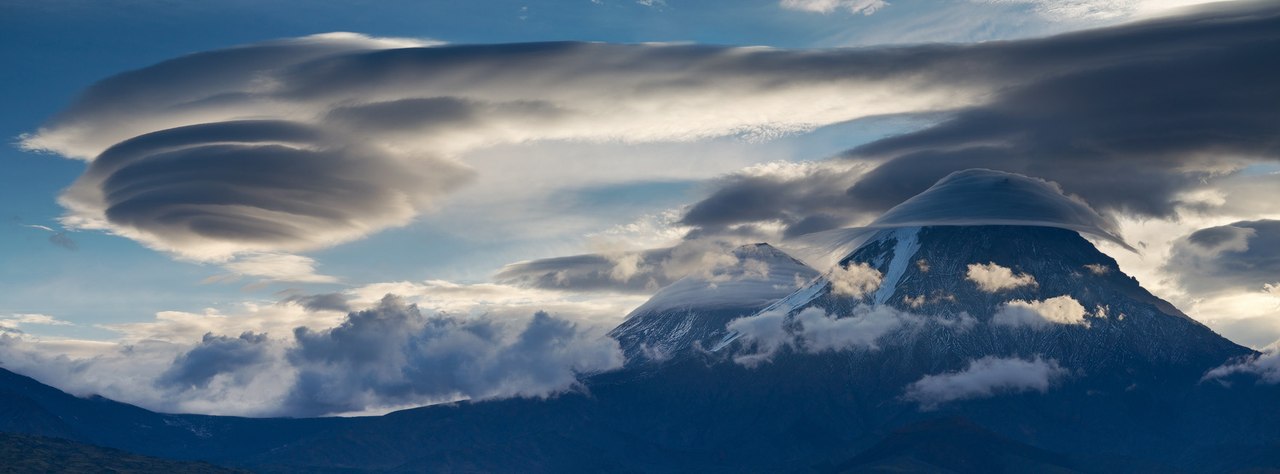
point(300, 144)
point(1129, 118)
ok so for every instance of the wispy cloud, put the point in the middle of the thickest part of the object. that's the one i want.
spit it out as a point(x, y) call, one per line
point(864, 7)
point(984, 378)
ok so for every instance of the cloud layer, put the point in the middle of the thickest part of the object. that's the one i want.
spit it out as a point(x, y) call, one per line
point(289, 361)
point(392, 355)
point(812, 330)
point(299, 144)
point(1128, 118)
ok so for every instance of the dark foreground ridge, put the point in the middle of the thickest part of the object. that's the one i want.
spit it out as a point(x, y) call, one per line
point(30, 453)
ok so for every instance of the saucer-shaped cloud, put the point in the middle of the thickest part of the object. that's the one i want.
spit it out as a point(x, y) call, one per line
point(209, 191)
point(988, 197)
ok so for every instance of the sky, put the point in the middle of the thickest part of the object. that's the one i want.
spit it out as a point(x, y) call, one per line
point(190, 190)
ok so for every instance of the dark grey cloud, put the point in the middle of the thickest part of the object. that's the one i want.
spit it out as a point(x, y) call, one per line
point(1126, 117)
point(802, 198)
point(214, 355)
point(255, 183)
point(63, 240)
point(392, 355)
point(591, 272)
point(1239, 256)
point(321, 302)
point(643, 271)
point(56, 237)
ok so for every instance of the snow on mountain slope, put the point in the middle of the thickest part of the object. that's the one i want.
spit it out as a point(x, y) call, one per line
point(695, 309)
point(925, 270)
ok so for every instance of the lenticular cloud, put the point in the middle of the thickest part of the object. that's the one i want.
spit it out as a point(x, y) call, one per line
point(989, 197)
point(304, 143)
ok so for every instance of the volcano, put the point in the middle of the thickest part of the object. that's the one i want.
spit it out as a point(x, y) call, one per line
point(983, 339)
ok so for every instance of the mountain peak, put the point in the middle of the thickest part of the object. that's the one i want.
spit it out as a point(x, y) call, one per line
point(972, 197)
point(990, 197)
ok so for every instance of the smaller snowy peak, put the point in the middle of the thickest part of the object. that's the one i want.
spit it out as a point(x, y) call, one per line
point(694, 311)
point(759, 274)
point(989, 197)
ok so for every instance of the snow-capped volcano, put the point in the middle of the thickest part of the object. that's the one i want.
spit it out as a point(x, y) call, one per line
point(982, 264)
point(695, 309)
point(959, 293)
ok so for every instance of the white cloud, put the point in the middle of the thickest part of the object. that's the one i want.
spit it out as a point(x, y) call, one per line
point(993, 278)
point(1097, 268)
point(274, 267)
point(764, 333)
point(854, 280)
point(1041, 313)
point(462, 341)
point(14, 321)
point(1265, 366)
point(812, 330)
point(1096, 10)
point(865, 7)
point(984, 378)
point(822, 332)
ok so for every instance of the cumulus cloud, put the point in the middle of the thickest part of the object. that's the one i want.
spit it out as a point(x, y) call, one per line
point(1040, 314)
point(392, 356)
point(1241, 256)
point(985, 378)
point(813, 330)
point(993, 278)
point(212, 356)
point(865, 7)
point(854, 280)
point(290, 362)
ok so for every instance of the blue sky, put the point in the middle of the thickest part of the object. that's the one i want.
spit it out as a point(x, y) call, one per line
point(603, 149)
